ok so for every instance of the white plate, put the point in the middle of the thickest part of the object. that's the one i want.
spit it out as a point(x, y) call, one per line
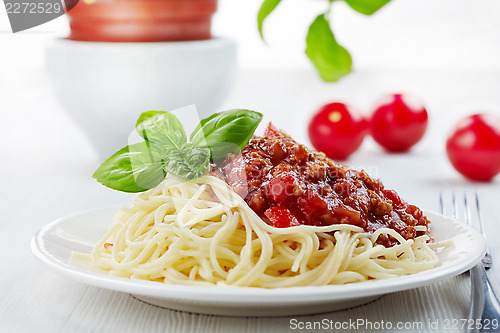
point(54, 244)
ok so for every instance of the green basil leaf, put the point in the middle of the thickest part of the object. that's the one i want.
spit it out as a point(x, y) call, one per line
point(226, 132)
point(330, 59)
point(266, 8)
point(188, 163)
point(146, 115)
point(134, 168)
point(161, 129)
point(367, 7)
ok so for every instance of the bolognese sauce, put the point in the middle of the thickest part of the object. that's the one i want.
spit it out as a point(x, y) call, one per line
point(288, 184)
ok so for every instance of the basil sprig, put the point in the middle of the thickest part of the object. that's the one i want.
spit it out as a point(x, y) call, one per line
point(226, 132)
point(266, 8)
point(134, 168)
point(367, 7)
point(165, 149)
point(332, 61)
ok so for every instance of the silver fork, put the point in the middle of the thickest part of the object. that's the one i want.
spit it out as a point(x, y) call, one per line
point(485, 306)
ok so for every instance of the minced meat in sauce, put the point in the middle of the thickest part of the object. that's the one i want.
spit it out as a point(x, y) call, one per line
point(287, 184)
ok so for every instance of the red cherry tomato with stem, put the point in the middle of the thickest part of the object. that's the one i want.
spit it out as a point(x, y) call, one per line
point(337, 130)
point(398, 122)
point(473, 147)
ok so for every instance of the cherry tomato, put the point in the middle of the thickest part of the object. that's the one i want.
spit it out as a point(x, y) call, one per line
point(141, 20)
point(473, 147)
point(398, 122)
point(337, 130)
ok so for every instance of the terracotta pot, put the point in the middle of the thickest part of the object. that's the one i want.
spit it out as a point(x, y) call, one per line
point(142, 20)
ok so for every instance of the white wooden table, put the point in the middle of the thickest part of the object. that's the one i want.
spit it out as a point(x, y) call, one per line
point(46, 166)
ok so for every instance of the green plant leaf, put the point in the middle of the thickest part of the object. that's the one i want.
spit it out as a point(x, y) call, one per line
point(161, 129)
point(226, 132)
point(141, 166)
point(134, 168)
point(146, 115)
point(330, 59)
point(367, 7)
point(189, 163)
point(266, 8)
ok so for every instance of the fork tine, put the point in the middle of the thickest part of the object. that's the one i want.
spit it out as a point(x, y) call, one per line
point(459, 211)
point(487, 261)
point(467, 216)
point(441, 203)
point(446, 203)
point(479, 216)
point(454, 202)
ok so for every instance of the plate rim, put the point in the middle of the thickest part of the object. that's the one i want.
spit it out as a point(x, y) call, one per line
point(248, 296)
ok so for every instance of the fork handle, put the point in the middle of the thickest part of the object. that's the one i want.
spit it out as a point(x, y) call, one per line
point(484, 303)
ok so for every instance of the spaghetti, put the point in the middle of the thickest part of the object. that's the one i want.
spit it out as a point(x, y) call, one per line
point(203, 233)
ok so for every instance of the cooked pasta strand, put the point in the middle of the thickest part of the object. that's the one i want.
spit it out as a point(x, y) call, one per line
point(183, 233)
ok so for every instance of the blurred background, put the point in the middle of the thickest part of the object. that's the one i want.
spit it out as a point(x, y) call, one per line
point(409, 34)
point(446, 52)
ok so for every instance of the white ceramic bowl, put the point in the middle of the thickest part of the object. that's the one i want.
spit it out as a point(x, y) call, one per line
point(106, 86)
